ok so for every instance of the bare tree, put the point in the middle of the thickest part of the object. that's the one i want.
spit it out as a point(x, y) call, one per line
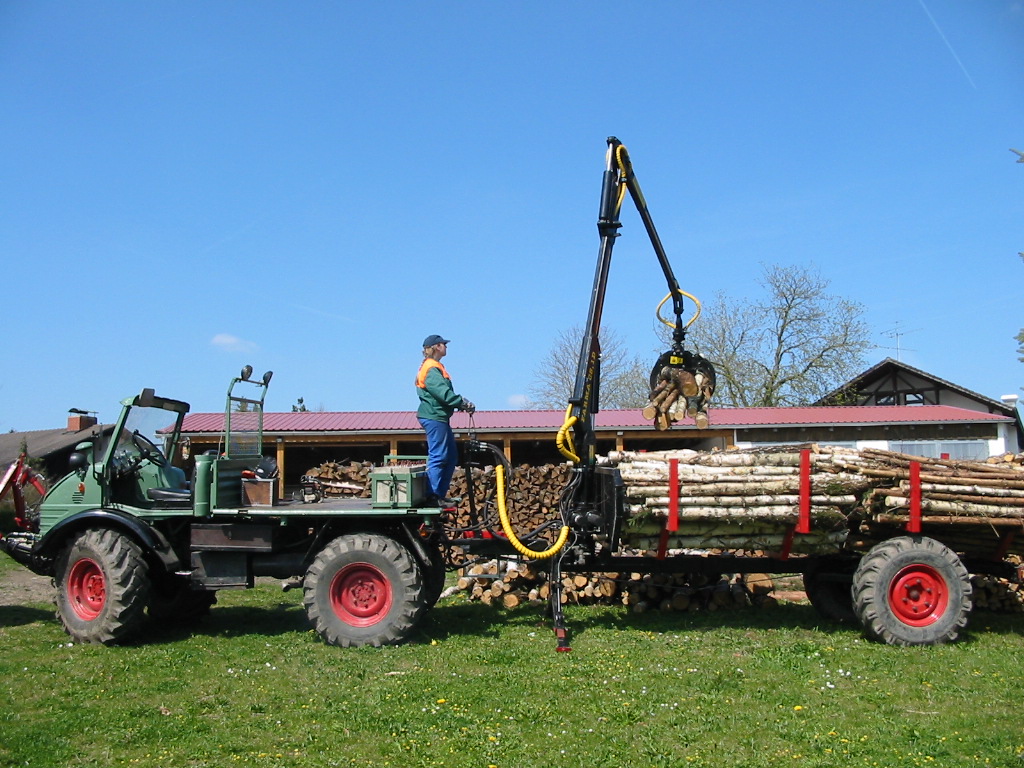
point(791, 348)
point(624, 379)
point(1020, 336)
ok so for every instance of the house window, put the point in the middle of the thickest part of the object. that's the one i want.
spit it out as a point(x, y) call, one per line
point(914, 398)
point(964, 450)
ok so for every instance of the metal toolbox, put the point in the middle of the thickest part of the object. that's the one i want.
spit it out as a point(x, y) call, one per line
point(399, 485)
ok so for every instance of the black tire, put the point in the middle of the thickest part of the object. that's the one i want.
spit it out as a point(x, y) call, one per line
point(912, 590)
point(103, 587)
point(830, 590)
point(364, 589)
point(173, 601)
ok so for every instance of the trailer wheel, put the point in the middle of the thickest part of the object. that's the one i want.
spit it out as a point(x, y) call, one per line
point(103, 587)
point(912, 590)
point(830, 593)
point(363, 589)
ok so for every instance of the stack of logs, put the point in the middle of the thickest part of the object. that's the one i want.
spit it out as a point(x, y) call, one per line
point(750, 499)
point(997, 595)
point(511, 584)
point(532, 492)
point(735, 499)
point(343, 478)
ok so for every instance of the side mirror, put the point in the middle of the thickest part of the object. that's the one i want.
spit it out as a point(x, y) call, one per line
point(78, 461)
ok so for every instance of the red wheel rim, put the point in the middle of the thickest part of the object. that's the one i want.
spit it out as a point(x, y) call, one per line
point(87, 589)
point(360, 595)
point(918, 595)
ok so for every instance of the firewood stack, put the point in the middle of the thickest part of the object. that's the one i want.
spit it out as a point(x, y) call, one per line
point(750, 499)
point(973, 507)
point(997, 595)
point(736, 499)
point(531, 494)
point(343, 478)
point(510, 584)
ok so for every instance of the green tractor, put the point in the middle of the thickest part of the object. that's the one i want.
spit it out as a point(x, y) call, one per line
point(128, 536)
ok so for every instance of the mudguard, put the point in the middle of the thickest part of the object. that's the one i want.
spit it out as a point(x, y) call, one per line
point(152, 540)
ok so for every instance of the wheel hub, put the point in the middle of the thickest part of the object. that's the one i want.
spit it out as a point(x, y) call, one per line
point(87, 589)
point(918, 595)
point(361, 595)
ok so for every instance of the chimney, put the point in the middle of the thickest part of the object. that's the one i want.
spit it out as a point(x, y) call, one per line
point(77, 422)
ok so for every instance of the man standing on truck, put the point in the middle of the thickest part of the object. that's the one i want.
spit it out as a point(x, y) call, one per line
point(438, 402)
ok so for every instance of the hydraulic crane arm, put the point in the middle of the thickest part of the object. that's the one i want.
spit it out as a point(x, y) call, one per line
point(576, 438)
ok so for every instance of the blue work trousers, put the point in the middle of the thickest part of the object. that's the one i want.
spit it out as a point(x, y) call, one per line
point(442, 455)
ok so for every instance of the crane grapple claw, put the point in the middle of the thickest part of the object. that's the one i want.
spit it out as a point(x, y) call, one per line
point(682, 384)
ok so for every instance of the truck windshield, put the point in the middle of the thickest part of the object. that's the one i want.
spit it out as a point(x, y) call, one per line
point(153, 426)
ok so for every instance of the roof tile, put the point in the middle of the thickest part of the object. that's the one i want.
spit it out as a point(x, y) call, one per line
point(548, 420)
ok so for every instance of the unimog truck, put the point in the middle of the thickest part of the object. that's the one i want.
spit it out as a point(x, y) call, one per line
point(126, 534)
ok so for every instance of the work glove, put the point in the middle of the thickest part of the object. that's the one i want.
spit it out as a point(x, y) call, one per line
point(467, 406)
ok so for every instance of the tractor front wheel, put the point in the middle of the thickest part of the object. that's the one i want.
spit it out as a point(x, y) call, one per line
point(103, 587)
point(912, 590)
point(363, 589)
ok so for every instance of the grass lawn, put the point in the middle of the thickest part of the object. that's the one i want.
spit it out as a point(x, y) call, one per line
point(478, 686)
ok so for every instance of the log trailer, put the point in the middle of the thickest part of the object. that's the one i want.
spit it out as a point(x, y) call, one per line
point(128, 537)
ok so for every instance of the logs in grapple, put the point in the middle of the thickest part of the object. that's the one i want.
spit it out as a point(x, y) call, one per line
point(681, 385)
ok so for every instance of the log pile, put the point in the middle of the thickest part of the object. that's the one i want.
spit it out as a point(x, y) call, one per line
point(736, 499)
point(510, 584)
point(532, 494)
point(343, 478)
point(997, 595)
point(750, 499)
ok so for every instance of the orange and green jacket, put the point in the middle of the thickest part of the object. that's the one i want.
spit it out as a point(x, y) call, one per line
point(437, 397)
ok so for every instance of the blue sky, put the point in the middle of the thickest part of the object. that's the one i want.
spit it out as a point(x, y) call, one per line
point(314, 187)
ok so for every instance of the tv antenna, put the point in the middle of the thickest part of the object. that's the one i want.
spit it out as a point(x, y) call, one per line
point(897, 334)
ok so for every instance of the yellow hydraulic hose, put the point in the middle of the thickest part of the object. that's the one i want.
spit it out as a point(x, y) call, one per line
point(506, 526)
point(563, 440)
point(689, 322)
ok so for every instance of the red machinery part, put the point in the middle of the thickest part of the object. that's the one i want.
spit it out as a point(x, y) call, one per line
point(15, 478)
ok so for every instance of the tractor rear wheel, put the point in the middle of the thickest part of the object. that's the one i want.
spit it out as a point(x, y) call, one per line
point(103, 587)
point(912, 590)
point(364, 589)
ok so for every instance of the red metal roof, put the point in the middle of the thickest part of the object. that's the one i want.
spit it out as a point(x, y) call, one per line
point(547, 421)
